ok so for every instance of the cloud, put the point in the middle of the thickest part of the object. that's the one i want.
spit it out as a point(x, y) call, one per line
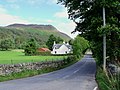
point(14, 6)
point(6, 19)
point(50, 2)
point(61, 14)
point(49, 21)
point(2, 10)
point(11, 1)
point(67, 28)
point(39, 2)
point(53, 1)
point(34, 2)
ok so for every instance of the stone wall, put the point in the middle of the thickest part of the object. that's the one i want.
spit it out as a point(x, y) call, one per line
point(8, 69)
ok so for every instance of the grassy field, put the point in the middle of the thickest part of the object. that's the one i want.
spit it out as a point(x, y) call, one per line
point(13, 57)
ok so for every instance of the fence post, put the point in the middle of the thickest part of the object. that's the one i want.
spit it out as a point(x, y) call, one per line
point(11, 61)
point(31, 61)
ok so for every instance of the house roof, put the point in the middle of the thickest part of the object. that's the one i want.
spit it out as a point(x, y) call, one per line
point(43, 49)
point(68, 46)
point(57, 46)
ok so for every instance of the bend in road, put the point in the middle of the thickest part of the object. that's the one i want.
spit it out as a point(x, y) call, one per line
point(80, 76)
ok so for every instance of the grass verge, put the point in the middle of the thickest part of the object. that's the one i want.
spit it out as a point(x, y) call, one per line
point(107, 81)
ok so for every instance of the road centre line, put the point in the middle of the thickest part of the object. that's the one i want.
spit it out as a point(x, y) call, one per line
point(76, 71)
point(66, 76)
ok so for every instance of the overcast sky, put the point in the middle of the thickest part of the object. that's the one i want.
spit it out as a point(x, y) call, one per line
point(36, 12)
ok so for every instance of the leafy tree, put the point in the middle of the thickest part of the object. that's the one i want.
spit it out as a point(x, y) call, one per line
point(18, 42)
point(30, 47)
point(51, 40)
point(59, 40)
point(6, 44)
point(80, 45)
point(88, 16)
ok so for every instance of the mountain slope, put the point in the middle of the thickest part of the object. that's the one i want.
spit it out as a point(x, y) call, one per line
point(22, 32)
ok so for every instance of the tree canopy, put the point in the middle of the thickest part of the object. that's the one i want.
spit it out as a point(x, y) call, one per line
point(6, 44)
point(31, 47)
point(88, 16)
point(80, 45)
point(51, 40)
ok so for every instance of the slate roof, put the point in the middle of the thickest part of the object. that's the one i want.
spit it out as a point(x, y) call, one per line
point(57, 46)
point(68, 46)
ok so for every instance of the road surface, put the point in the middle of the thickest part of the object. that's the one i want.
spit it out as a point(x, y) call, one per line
point(80, 76)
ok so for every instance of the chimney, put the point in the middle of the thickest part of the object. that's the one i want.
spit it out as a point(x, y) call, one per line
point(67, 43)
point(54, 43)
point(63, 42)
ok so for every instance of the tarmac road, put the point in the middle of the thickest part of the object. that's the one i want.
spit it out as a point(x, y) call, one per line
point(80, 76)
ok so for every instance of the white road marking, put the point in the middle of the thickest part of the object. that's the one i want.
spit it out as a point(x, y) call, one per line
point(95, 88)
point(76, 71)
point(66, 77)
point(71, 74)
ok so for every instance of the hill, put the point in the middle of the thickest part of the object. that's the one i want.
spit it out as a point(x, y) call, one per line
point(21, 33)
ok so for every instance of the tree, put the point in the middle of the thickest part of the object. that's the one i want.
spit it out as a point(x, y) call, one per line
point(80, 45)
point(51, 40)
point(87, 14)
point(59, 40)
point(30, 47)
point(6, 44)
point(19, 41)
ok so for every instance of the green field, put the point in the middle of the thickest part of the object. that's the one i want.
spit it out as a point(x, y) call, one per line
point(13, 57)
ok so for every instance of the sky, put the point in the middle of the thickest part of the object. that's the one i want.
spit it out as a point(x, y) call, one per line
point(36, 12)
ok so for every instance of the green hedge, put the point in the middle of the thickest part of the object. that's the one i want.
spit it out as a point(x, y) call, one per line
point(61, 54)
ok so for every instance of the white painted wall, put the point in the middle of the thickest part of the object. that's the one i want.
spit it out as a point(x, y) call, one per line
point(62, 50)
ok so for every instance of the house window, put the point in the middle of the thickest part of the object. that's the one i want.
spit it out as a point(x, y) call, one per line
point(55, 52)
point(65, 51)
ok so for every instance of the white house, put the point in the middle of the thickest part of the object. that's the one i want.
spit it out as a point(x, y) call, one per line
point(64, 48)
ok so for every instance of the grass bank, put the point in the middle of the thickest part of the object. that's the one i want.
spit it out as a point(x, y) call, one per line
point(107, 81)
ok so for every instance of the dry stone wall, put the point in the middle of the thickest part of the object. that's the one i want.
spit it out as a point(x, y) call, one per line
point(14, 68)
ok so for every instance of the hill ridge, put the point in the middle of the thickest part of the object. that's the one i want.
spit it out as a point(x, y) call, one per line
point(22, 32)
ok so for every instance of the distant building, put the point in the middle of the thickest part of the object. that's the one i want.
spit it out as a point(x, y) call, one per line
point(64, 48)
point(43, 50)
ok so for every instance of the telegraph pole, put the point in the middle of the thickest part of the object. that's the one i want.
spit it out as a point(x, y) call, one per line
point(104, 42)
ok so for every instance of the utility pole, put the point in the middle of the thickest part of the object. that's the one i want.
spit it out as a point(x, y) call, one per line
point(104, 42)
